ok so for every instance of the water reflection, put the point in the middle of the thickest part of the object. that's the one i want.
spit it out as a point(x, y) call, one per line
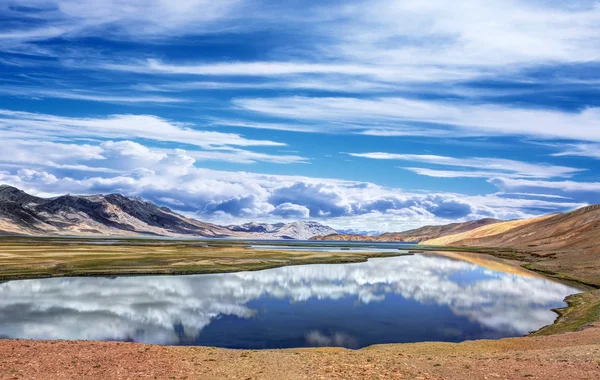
point(383, 300)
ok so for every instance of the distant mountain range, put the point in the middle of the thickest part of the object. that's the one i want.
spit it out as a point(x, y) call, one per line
point(294, 230)
point(413, 236)
point(118, 215)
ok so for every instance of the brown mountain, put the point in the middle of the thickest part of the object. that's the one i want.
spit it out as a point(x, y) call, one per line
point(118, 215)
point(113, 214)
point(567, 242)
point(416, 235)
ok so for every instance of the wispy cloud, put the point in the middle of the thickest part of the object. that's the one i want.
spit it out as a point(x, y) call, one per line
point(33, 92)
point(25, 124)
point(490, 166)
point(136, 19)
point(582, 150)
point(482, 119)
point(563, 186)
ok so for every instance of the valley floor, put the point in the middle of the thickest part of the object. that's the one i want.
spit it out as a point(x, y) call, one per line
point(571, 355)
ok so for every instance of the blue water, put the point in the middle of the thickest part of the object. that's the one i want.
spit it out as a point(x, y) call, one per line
point(385, 300)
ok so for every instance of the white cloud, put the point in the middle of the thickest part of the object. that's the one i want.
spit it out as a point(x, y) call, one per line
point(581, 150)
point(442, 32)
point(15, 124)
point(433, 40)
point(490, 166)
point(136, 19)
point(565, 186)
point(30, 92)
point(246, 157)
point(377, 73)
point(291, 210)
point(479, 119)
point(452, 173)
point(342, 84)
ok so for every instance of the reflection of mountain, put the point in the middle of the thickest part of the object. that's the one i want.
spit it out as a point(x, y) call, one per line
point(146, 308)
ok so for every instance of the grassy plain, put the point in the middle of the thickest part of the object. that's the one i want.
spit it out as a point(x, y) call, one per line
point(22, 258)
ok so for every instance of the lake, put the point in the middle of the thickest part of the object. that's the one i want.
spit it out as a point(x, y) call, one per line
point(424, 297)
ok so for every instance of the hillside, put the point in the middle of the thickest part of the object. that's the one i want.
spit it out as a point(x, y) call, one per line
point(118, 215)
point(567, 242)
point(489, 230)
point(415, 235)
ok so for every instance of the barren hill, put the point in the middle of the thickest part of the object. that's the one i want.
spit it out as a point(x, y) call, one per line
point(567, 242)
point(489, 230)
point(416, 235)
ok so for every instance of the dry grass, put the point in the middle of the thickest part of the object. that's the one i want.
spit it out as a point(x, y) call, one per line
point(55, 257)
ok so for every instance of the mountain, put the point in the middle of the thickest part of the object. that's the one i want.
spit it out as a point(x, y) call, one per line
point(303, 230)
point(113, 214)
point(566, 242)
point(118, 215)
point(415, 235)
point(257, 227)
point(295, 230)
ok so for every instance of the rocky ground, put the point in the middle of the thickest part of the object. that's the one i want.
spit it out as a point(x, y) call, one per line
point(565, 356)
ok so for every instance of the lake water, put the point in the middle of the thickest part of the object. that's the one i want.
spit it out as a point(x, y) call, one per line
point(385, 300)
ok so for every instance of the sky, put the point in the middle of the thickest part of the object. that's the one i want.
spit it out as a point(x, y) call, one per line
point(363, 115)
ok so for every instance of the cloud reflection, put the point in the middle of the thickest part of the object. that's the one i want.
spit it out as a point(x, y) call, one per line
point(172, 309)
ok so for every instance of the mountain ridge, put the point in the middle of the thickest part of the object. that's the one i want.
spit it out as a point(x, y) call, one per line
point(415, 235)
point(119, 215)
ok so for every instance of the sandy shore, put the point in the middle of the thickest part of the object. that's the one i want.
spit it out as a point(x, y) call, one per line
point(565, 356)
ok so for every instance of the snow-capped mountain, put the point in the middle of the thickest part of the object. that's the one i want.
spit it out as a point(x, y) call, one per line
point(296, 230)
point(303, 230)
point(257, 227)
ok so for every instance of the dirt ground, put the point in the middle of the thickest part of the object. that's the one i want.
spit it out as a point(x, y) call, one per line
point(565, 356)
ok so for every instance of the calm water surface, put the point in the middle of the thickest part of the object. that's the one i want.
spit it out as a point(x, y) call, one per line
point(386, 300)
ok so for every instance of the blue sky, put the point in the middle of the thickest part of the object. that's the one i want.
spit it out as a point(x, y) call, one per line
point(368, 115)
